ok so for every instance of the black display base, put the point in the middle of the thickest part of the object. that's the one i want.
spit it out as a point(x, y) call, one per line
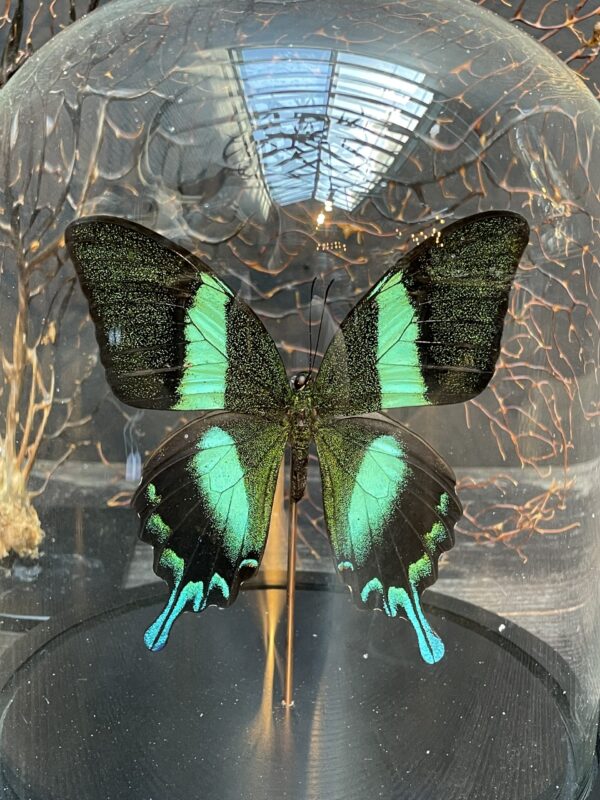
point(86, 713)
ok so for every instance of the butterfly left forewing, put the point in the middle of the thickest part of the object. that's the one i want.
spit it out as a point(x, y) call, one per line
point(205, 504)
point(172, 335)
point(390, 509)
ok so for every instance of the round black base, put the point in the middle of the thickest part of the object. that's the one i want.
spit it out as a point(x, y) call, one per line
point(89, 714)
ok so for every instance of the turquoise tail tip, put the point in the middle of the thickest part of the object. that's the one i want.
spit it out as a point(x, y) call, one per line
point(434, 650)
point(153, 641)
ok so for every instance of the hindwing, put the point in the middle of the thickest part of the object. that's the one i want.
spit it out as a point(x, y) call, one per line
point(390, 509)
point(205, 504)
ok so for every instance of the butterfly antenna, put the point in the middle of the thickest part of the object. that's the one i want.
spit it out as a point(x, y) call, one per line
point(312, 363)
point(312, 292)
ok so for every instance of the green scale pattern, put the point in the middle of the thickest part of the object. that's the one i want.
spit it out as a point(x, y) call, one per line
point(173, 335)
point(236, 509)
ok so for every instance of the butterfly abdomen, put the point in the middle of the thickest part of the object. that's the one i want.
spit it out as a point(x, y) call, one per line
point(302, 417)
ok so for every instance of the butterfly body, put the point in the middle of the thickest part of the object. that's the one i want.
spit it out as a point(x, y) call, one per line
point(172, 335)
point(303, 419)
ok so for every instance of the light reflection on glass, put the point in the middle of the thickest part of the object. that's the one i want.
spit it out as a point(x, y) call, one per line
point(327, 125)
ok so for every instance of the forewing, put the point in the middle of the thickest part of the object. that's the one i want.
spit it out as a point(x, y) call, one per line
point(390, 509)
point(172, 334)
point(205, 504)
point(429, 331)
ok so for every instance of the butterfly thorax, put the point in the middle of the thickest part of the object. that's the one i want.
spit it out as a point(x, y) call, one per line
point(302, 418)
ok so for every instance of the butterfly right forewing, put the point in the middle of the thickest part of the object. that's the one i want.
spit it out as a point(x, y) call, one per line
point(429, 331)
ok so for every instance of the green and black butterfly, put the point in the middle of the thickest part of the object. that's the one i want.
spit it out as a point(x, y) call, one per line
point(172, 335)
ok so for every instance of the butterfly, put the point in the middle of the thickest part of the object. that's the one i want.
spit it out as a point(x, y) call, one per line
point(172, 335)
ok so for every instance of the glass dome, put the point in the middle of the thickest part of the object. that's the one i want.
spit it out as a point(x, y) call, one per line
point(283, 142)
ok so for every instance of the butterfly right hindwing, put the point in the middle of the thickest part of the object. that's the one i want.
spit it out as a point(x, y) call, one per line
point(390, 508)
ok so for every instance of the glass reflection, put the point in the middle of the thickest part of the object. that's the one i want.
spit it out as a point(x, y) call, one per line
point(328, 125)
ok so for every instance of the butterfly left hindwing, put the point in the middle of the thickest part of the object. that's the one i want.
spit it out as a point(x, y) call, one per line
point(390, 508)
point(205, 505)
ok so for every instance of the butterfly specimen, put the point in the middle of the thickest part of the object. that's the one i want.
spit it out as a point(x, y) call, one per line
point(172, 335)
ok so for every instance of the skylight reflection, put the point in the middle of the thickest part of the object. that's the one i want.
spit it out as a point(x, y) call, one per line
point(328, 126)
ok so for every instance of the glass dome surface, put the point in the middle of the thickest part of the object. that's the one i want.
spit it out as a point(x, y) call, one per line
point(283, 141)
